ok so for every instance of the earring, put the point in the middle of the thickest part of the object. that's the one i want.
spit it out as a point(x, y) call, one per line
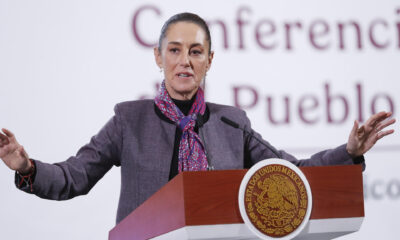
point(162, 73)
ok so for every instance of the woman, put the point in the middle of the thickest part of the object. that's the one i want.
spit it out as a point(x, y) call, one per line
point(153, 140)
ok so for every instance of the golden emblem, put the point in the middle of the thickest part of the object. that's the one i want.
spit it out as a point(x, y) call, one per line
point(276, 200)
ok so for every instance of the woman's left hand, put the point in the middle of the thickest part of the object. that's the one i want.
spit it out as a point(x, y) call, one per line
point(364, 138)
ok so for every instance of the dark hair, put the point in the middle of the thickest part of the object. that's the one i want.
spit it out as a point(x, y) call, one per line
point(185, 17)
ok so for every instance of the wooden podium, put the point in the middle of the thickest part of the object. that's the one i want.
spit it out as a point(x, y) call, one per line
point(204, 205)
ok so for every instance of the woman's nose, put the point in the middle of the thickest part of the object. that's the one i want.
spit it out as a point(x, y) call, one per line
point(184, 60)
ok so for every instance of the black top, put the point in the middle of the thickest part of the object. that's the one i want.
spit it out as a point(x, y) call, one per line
point(184, 105)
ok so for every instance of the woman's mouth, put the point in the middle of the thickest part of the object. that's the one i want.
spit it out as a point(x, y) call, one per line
point(184, 75)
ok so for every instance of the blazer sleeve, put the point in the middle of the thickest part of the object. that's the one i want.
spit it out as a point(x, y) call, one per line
point(78, 174)
point(255, 152)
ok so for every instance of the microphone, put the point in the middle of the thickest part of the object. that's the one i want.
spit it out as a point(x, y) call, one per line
point(230, 122)
point(236, 125)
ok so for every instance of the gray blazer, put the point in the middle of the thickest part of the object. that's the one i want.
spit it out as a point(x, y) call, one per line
point(136, 139)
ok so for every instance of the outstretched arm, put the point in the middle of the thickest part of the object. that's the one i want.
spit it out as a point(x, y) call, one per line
point(360, 141)
point(67, 179)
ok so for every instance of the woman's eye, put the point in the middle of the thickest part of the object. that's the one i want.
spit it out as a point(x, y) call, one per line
point(196, 52)
point(174, 50)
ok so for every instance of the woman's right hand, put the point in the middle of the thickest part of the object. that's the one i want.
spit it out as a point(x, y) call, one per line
point(13, 154)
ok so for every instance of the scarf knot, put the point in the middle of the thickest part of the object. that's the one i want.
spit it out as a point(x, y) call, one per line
point(187, 122)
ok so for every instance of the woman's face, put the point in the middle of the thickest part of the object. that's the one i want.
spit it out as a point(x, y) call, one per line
point(184, 58)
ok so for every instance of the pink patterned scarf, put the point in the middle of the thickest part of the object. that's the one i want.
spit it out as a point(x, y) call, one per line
point(191, 156)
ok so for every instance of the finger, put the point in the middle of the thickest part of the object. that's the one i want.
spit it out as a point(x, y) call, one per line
point(2, 136)
point(8, 133)
point(388, 114)
point(383, 125)
point(361, 131)
point(384, 118)
point(355, 128)
point(374, 122)
point(3, 139)
point(374, 119)
point(385, 133)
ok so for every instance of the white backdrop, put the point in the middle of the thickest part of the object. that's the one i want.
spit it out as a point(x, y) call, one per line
point(65, 64)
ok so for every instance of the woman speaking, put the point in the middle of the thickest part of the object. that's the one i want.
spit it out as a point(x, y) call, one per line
point(154, 140)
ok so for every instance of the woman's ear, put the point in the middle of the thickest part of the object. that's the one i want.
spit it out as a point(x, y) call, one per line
point(157, 57)
point(210, 59)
